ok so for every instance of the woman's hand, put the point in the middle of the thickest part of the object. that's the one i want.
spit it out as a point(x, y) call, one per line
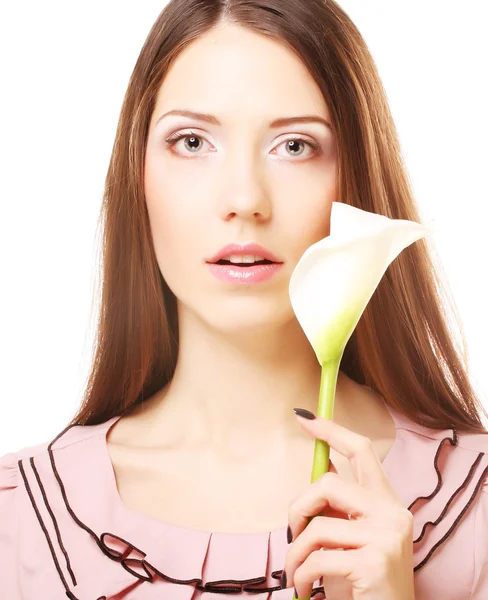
point(370, 524)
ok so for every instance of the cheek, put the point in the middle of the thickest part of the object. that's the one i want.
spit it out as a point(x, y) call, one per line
point(306, 216)
point(171, 228)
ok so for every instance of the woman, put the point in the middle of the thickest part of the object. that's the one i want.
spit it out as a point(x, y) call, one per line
point(185, 473)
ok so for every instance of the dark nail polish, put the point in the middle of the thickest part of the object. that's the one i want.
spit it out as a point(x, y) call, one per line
point(289, 535)
point(295, 592)
point(303, 412)
point(283, 579)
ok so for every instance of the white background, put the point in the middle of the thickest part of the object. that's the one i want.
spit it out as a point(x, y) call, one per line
point(65, 68)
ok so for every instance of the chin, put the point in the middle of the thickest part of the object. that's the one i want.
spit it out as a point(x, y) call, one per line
point(239, 316)
point(253, 323)
point(242, 326)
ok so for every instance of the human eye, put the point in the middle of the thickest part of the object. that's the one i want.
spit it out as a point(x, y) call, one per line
point(192, 138)
point(192, 144)
point(292, 144)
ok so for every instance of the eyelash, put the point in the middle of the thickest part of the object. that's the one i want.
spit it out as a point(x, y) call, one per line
point(173, 139)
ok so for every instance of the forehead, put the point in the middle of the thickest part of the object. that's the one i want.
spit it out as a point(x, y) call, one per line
point(233, 71)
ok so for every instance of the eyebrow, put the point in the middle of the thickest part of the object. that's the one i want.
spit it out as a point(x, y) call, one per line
point(273, 125)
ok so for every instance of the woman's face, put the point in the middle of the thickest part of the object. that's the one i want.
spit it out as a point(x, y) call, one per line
point(240, 180)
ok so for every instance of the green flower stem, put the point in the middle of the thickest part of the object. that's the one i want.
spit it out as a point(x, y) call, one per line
point(328, 382)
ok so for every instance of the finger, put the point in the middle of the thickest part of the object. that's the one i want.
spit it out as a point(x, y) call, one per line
point(331, 492)
point(328, 511)
point(324, 563)
point(329, 533)
point(358, 449)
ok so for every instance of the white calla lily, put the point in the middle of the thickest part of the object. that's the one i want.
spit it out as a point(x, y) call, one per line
point(336, 277)
point(331, 286)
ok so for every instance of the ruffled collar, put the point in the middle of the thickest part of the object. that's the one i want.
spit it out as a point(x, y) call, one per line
point(435, 477)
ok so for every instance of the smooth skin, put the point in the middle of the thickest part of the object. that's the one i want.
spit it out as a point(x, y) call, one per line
point(225, 423)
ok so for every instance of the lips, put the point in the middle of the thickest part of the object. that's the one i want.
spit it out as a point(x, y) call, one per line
point(251, 274)
point(246, 249)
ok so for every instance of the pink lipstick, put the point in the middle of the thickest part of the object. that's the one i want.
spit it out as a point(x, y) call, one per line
point(250, 274)
point(258, 264)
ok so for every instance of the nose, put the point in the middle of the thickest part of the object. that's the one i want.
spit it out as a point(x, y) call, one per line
point(245, 195)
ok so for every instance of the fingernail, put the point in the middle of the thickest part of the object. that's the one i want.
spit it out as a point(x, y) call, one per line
point(289, 535)
point(283, 579)
point(295, 593)
point(303, 412)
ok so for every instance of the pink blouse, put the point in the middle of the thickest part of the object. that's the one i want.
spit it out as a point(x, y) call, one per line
point(65, 532)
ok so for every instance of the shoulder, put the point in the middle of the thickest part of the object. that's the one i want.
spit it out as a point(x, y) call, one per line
point(463, 440)
point(474, 442)
point(476, 446)
point(456, 456)
point(441, 477)
point(73, 439)
point(47, 492)
point(11, 470)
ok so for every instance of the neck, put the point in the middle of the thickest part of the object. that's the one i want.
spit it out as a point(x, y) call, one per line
point(232, 389)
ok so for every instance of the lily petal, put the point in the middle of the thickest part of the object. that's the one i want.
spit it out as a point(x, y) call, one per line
point(336, 277)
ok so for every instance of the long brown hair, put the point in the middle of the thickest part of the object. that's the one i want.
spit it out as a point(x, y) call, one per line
point(404, 346)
